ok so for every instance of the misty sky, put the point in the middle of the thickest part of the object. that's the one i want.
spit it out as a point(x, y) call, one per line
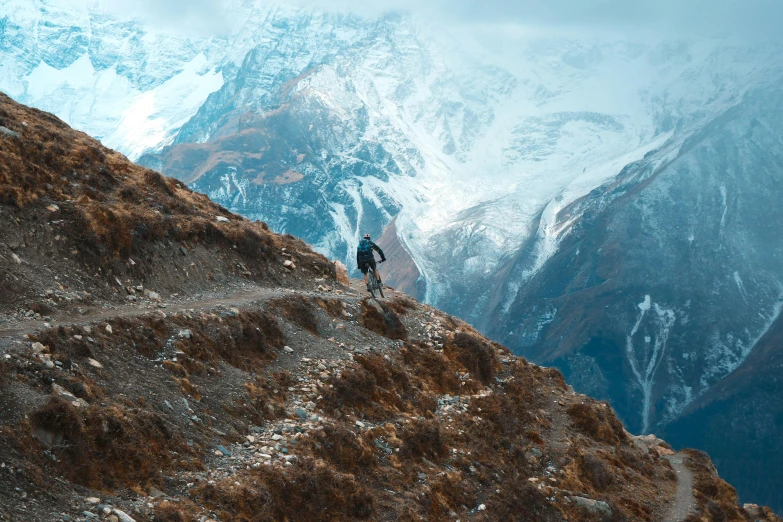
point(758, 19)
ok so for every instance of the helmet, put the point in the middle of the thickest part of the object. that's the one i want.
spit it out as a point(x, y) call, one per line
point(366, 236)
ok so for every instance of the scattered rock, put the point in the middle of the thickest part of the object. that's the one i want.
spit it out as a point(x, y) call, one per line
point(152, 296)
point(185, 334)
point(221, 219)
point(288, 349)
point(52, 208)
point(122, 516)
point(183, 250)
point(92, 500)
point(289, 264)
point(537, 452)
point(8, 132)
point(38, 347)
point(595, 507)
point(16, 259)
point(109, 329)
point(224, 451)
point(94, 363)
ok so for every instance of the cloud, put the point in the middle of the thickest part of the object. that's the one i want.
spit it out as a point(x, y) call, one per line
point(190, 17)
point(758, 19)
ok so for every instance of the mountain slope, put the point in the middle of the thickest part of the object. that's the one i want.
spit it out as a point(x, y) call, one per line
point(603, 203)
point(747, 402)
point(667, 289)
point(279, 403)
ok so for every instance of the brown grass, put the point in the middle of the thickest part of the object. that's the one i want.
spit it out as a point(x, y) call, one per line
point(475, 354)
point(424, 439)
point(377, 388)
point(381, 319)
point(106, 448)
point(310, 491)
point(402, 304)
point(298, 310)
point(344, 449)
point(437, 370)
point(716, 499)
point(112, 209)
point(598, 422)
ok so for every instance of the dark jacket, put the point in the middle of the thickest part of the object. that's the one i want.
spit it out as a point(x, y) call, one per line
point(360, 257)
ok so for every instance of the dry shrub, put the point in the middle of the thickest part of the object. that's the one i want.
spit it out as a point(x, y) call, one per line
point(475, 354)
point(245, 342)
point(402, 304)
point(379, 318)
point(522, 502)
point(596, 471)
point(267, 398)
point(298, 310)
point(106, 448)
point(377, 388)
point(435, 368)
point(175, 368)
point(344, 449)
point(632, 458)
point(333, 307)
point(423, 439)
point(182, 511)
point(189, 388)
point(449, 492)
point(597, 422)
point(715, 497)
point(60, 340)
point(311, 490)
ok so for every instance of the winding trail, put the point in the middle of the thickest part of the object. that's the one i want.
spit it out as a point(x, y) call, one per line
point(684, 502)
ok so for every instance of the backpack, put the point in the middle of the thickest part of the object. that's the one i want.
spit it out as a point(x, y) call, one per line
point(365, 249)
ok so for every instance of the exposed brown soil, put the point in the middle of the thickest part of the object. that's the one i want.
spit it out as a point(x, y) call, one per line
point(251, 392)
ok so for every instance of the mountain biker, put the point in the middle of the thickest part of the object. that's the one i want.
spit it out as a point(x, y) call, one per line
point(366, 259)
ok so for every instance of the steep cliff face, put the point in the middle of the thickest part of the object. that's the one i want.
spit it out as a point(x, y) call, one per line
point(740, 420)
point(671, 274)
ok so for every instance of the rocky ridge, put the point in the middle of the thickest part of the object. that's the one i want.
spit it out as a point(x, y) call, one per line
point(278, 393)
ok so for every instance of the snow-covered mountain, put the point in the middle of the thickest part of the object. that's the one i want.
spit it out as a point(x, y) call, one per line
point(605, 203)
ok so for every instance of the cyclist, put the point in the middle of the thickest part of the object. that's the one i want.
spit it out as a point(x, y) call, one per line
point(366, 259)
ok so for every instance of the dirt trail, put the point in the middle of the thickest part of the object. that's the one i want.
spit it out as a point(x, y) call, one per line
point(236, 299)
point(684, 503)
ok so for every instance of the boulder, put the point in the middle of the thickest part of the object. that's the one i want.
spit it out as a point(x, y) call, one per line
point(342, 273)
point(594, 507)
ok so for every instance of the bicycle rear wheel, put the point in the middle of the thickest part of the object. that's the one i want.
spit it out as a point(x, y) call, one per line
point(373, 283)
point(380, 287)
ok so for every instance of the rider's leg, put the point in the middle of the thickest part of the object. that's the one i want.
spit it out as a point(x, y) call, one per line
point(377, 275)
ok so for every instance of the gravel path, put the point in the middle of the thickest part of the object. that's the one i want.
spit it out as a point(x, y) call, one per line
point(684, 503)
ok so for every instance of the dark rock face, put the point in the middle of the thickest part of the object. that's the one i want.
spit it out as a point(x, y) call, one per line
point(664, 289)
point(740, 420)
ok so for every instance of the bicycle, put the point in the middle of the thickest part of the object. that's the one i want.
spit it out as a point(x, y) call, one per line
point(374, 283)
